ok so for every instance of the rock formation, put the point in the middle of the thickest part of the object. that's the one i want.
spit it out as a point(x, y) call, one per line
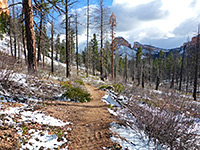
point(118, 41)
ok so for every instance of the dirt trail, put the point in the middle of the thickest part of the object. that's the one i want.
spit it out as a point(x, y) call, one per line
point(91, 121)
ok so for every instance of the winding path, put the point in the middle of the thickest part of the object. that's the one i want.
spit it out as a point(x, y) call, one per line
point(90, 121)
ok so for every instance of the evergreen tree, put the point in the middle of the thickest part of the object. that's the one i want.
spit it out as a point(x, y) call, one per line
point(95, 54)
point(139, 64)
point(3, 23)
point(57, 46)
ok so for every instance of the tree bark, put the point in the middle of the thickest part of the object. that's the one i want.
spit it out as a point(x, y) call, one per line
point(67, 42)
point(23, 37)
point(157, 82)
point(30, 36)
point(14, 33)
point(52, 49)
point(87, 47)
point(39, 42)
point(182, 63)
point(101, 50)
point(196, 68)
point(76, 43)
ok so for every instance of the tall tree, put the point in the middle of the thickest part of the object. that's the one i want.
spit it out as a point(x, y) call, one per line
point(57, 46)
point(67, 41)
point(76, 21)
point(95, 57)
point(14, 30)
point(87, 47)
point(101, 48)
point(40, 30)
point(113, 24)
point(52, 46)
point(196, 66)
point(30, 36)
point(23, 34)
point(126, 69)
point(182, 65)
point(139, 63)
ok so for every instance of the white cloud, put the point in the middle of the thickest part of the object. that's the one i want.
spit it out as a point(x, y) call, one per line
point(163, 23)
point(157, 20)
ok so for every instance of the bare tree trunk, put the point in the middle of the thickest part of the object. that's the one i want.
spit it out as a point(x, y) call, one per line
point(133, 67)
point(43, 54)
point(182, 63)
point(19, 48)
point(157, 82)
point(39, 42)
point(67, 42)
point(14, 33)
point(30, 36)
point(10, 34)
point(87, 48)
point(23, 39)
point(113, 24)
point(70, 46)
point(173, 77)
point(143, 65)
point(52, 49)
point(76, 42)
point(101, 50)
point(126, 70)
point(196, 68)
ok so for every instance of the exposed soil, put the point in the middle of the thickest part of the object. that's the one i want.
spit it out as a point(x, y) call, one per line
point(90, 121)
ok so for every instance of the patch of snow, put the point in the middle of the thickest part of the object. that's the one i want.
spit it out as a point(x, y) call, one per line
point(35, 116)
point(110, 100)
point(41, 118)
point(42, 139)
point(157, 91)
point(112, 112)
point(130, 138)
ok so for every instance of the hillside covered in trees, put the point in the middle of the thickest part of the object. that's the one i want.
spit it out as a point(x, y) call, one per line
point(72, 78)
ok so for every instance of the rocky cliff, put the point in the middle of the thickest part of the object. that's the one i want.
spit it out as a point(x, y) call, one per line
point(118, 41)
point(4, 6)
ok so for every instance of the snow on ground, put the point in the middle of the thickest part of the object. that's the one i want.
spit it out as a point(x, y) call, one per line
point(43, 139)
point(131, 138)
point(32, 116)
point(109, 100)
point(37, 139)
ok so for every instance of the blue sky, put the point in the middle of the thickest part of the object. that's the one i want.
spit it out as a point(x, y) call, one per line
point(162, 23)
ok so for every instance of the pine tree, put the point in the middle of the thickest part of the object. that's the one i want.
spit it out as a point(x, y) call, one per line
point(30, 36)
point(139, 63)
point(57, 46)
point(95, 54)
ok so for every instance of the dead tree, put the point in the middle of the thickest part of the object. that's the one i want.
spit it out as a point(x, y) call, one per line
point(113, 24)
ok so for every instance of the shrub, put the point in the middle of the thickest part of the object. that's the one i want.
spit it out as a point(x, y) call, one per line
point(80, 82)
point(24, 130)
point(118, 87)
point(105, 86)
point(76, 94)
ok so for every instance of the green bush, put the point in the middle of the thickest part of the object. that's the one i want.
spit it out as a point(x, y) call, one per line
point(149, 102)
point(80, 82)
point(76, 94)
point(105, 86)
point(118, 87)
point(59, 134)
point(24, 130)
